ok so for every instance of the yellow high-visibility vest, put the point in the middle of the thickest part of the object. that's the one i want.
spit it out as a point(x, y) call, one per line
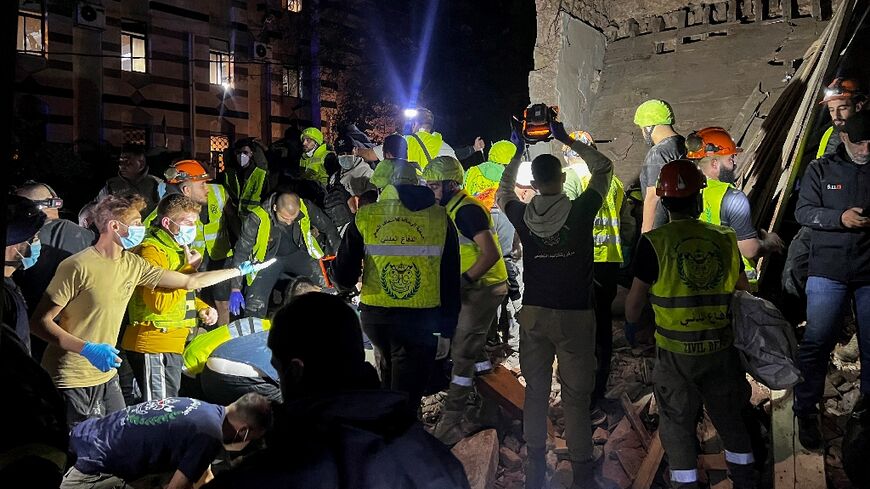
point(468, 249)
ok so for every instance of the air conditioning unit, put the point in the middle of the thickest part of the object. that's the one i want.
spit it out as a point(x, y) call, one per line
point(262, 52)
point(90, 16)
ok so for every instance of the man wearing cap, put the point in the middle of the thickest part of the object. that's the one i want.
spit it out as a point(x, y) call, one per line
point(133, 177)
point(834, 202)
point(285, 227)
point(655, 118)
point(410, 297)
point(23, 221)
point(716, 155)
point(247, 177)
point(314, 153)
point(843, 97)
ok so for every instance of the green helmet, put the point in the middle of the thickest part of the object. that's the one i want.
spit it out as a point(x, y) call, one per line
point(654, 113)
point(502, 152)
point(314, 134)
point(444, 168)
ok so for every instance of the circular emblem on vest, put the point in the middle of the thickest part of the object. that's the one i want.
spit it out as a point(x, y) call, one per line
point(401, 281)
point(700, 264)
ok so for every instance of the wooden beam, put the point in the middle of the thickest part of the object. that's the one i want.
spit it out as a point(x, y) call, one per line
point(758, 7)
point(816, 9)
point(506, 390)
point(650, 464)
point(788, 9)
point(731, 15)
point(635, 421)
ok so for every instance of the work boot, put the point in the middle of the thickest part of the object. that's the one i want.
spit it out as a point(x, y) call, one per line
point(742, 476)
point(536, 468)
point(449, 428)
point(808, 432)
point(848, 353)
point(597, 416)
point(584, 475)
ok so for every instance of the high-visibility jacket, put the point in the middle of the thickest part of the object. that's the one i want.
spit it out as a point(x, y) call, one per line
point(699, 265)
point(605, 231)
point(469, 252)
point(481, 182)
point(312, 166)
point(251, 194)
point(823, 143)
point(403, 248)
point(431, 141)
point(183, 314)
point(265, 229)
point(200, 348)
point(213, 237)
point(712, 213)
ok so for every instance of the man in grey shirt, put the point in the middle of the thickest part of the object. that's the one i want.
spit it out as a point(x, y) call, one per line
point(655, 119)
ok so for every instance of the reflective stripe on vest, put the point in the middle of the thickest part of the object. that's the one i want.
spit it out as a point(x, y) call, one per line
point(605, 231)
point(214, 235)
point(200, 348)
point(823, 144)
point(713, 196)
point(469, 252)
point(265, 229)
point(698, 271)
point(312, 167)
point(402, 265)
point(182, 314)
point(252, 193)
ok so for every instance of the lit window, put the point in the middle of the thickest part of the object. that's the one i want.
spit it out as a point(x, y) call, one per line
point(218, 144)
point(133, 51)
point(290, 82)
point(294, 5)
point(221, 66)
point(31, 39)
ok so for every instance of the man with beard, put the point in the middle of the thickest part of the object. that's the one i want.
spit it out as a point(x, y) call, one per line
point(715, 153)
point(843, 98)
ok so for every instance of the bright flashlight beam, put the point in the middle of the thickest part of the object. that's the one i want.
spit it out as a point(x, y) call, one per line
point(410, 113)
point(425, 41)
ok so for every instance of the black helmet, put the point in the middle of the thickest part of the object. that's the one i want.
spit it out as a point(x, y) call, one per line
point(23, 219)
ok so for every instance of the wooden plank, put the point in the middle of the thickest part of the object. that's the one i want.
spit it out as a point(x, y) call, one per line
point(506, 390)
point(650, 464)
point(635, 421)
point(794, 467)
point(747, 114)
point(758, 8)
point(816, 9)
point(788, 9)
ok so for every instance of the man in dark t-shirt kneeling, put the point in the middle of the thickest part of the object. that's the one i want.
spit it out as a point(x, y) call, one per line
point(177, 435)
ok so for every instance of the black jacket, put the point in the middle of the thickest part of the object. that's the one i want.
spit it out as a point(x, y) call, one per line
point(348, 264)
point(245, 244)
point(350, 439)
point(830, 186)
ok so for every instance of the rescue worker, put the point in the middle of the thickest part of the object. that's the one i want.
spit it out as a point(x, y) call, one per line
point(213, 242)
point(688, 270)
point(285, 227)
point(655, 118)
point(314, 153)
point(133, 177)
point(557, 318)
point(246, 176)
point(395, 150)
point(715, 153)
point(160, 320)
point(834, 203)
point(843, 98)
point(23, 221)
point(409, 302)
point(484, 286)
point(607, 261)
point(481, 181)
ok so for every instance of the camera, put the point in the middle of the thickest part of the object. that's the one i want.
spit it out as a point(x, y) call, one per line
point(536, 122)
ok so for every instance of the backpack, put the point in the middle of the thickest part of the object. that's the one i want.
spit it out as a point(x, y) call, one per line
point(766, 341)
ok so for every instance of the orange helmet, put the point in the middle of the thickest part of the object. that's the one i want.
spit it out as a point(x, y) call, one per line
point(582, 136)
point(710, 141)
point(186, 171)
point(680, 178)
point(841, 89)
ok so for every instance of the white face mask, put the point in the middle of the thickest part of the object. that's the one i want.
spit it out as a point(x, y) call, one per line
point(310, 153)
point(348, 161)
point(244, 160)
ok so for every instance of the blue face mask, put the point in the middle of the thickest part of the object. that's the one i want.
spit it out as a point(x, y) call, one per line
point(186, 234)
point(135, 235)
point(29, 261)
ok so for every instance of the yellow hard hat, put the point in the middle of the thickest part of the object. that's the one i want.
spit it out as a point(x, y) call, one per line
point(312, 133)
point(502, 152)
point(444, 168)
point(654, 112)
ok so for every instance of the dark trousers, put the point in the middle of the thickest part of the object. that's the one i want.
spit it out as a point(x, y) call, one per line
point(225, 389)
point(158, 374)
point(296, 264)
point(605, 291)
point(92, 402)
point(827, 303)
point(406, 348)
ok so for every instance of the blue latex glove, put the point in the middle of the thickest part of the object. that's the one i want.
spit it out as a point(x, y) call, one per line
point(630, 330)
point(237, 302)
point(103, 356)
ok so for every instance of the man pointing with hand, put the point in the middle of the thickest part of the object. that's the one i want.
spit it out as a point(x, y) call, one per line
point(89, 294)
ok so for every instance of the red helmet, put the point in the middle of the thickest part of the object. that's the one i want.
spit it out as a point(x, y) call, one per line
point(841, 89)
point(680, 178)
point(710, 141)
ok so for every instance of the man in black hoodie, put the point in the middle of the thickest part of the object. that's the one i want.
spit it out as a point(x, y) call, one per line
point(557, 318)
point(410, 303)
point(336, 428)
